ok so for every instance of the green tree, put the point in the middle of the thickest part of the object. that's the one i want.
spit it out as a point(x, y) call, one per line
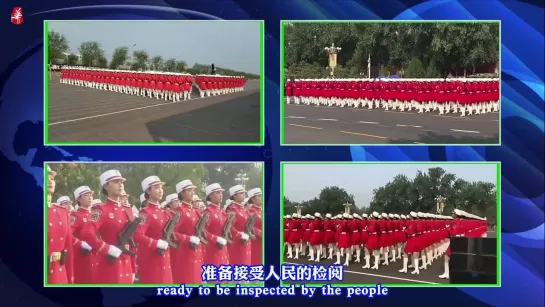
point(72, 60)
point(92, 54)
point(57, 46)
point(170, 65)
point(157, 63)
point(140, 60)
point(120, 57)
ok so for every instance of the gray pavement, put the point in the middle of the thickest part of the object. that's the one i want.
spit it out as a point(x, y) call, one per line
point(335, 125)
point(78, 114)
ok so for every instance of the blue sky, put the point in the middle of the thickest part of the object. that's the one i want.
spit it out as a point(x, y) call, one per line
point(304, 181)
point(233, 45)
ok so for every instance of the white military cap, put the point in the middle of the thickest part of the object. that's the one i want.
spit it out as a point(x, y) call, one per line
point(403, 216)
point(357, 216)
point(150, 181)
point(420, 214)
point(391, 215)
point(63, 199)
point(346, 215)
point(375, 214)
point(458, 212)
point(328, 215)
point(288, 216)
point(110, 175)
point(171, 197)
point(82, 191)
point(364, 215)
point(96, 202)
point(254, 192)
point(49, 171)
point(413, 214)
point(397, 215)
point(308, 216)
point(384, 215)
point(196, 197)
point(236, 189)
point(317, 214)
point(184, 185)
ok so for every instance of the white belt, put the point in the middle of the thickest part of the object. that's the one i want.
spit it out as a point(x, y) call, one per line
point(328, 230)
point(343, 233)
point(384, 232)
point(316, 231)
point(389, 231)
point(307, 229)
point(372, 233)
point(355, 231)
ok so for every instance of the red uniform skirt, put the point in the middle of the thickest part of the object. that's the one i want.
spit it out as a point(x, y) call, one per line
point(413, 245)
point(343, 240)
point(329, 237)
point(317, 237)
point(364, 237)
point(355, 238)
point(306, 235)
point(384, 239)
point(373, 241)
point(295, 236)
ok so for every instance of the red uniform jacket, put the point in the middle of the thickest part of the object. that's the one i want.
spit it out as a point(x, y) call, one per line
point(59, 241)
point(214, 254)
point(155, 268)
point(256, 244)
point(84, 261)
point(106, 222)
point(189, 260)
point(240, 252)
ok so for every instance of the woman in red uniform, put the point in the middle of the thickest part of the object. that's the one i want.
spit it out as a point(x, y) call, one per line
point(255, 207)
point(355, 236)
point(287, 220)
point(364, 237)
point(411, 248)
point(84, 262)
point(60, 261)
point(343, 239)
point(316, 237)
point(329, 234)
point(373, 244)
point(306, 235)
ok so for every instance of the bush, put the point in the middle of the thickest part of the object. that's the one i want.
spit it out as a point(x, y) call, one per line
point(415, 69)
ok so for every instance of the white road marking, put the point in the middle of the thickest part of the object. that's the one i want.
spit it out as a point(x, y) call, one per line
point(409, 126)
point(373, 123)
point(129, 110)
point(295, 117)
point(383, 276)
point(328, 119)
point(466, 131)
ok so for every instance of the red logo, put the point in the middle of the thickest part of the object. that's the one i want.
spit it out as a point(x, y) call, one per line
point(17, 16)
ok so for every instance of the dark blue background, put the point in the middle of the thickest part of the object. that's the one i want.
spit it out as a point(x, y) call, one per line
point(22, 151)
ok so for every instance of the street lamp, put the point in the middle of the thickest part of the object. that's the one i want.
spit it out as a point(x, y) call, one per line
point(242, 179)
point(332, 56)
point(440, 204)
point(347, 208)
point(299, 208)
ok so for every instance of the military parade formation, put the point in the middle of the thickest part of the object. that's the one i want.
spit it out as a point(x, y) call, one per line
point(111, 242)
point(417, 239)
point(168, 86)
point(466, 96)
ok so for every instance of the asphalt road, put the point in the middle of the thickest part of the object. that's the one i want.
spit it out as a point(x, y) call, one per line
point(354, 274)
point(78, 114)
point(335, 125)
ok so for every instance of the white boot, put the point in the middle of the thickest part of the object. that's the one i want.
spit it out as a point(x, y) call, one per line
point(424, 262)
point(338, 258)
point(415, 261)
point(330, 252)
point(311, 253)
point(399, 251)
point(385, 258)
point(405, 262)
point(446, 275)
point(347, 259)
point(393, 254)
point(290, 251)
point(358, 255)
point(318, 254)
point(377, 259)
point(296, 252)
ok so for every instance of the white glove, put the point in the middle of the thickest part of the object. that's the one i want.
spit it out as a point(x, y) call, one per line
point(86, 246)
point(114, 251)
point(162, 244)
point(133, 278)
point(245, 237)
point(221, 241)
point(194, 240)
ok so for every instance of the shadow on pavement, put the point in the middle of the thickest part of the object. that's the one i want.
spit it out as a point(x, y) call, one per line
point(236, 120)
point(431, 138)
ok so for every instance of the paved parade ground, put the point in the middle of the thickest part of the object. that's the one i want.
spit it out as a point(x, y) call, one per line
point(79, 114)
point(354, 274)
point(335, 125)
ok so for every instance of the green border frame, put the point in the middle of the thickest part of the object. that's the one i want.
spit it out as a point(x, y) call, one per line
point(282, 103)
point(261, 93)
point(48, 285)
point(416, 285)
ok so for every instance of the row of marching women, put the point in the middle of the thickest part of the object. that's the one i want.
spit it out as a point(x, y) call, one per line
point(159, 85)
point(109, 244)
point(469, 96)
point(383, 238)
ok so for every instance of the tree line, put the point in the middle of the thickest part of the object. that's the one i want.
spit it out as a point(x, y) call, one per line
point(403, 195)
point(414, 50)
point(92, 55)
point(72, 175)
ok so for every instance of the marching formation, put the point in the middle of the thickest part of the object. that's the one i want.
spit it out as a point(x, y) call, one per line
point(113, 243)
point(159, 85)
point(469, 96)
point(418, 238)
